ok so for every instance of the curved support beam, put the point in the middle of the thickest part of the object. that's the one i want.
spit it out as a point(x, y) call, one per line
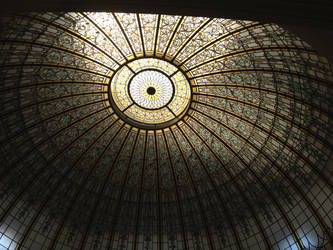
point(270, 194)
point(54, 189)
point(16, 163)
point(287, 177)
point(195, 189)
point(238, 187)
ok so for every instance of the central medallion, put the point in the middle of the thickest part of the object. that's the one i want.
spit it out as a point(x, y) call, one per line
point(150, 93)
point(151, 89)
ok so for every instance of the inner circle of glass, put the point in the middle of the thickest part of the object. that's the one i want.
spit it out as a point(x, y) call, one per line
point(150, 92)
point(151, 89)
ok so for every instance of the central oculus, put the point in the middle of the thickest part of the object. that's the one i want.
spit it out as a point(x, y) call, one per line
point(150, 93)
point(151, 89)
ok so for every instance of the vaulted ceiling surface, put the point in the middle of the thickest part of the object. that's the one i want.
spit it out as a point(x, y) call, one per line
point(235, 157)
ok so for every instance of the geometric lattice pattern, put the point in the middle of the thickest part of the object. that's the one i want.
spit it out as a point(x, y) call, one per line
point(246, 165)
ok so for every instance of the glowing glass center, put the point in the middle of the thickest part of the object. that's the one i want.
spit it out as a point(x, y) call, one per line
point(150, 93)
point(151, 89)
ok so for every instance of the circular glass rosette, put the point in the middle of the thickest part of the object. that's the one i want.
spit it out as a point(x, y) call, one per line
point(150, 92)
point(151, 89)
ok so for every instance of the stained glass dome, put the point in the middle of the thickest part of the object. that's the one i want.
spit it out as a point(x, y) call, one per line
point(145, 131)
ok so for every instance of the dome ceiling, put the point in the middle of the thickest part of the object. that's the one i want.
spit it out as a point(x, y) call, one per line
point(141, 131)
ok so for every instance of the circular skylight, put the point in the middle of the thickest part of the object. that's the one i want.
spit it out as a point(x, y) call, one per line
point(151, 89)
point(150, 92)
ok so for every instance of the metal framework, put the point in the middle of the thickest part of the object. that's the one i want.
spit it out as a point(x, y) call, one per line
point(246, 164)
